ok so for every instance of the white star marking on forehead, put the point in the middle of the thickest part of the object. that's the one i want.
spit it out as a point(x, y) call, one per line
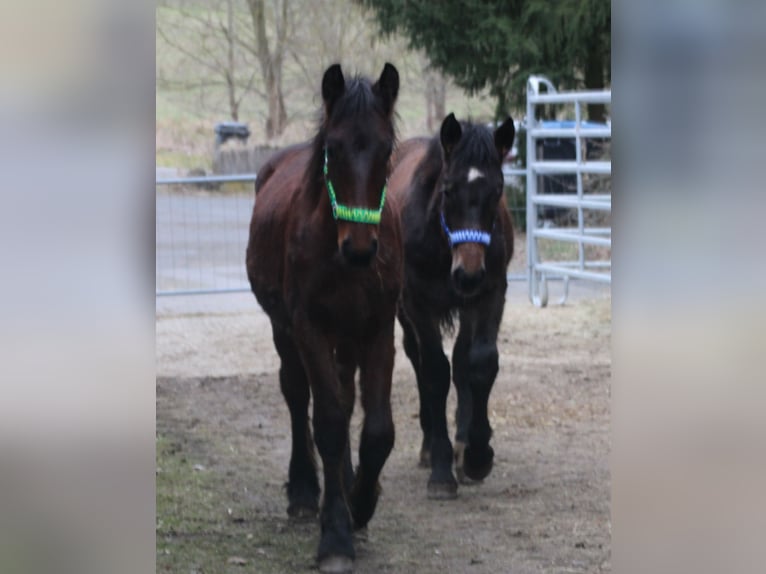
point(474, 173)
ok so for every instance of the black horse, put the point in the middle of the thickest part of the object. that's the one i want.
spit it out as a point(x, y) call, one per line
point(458, 241)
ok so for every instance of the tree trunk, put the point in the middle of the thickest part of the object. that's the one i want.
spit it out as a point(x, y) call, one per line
point(233, 103)
point(271, 65)
point(230, 73)
point(436, 95)
point(440, 97)
point(594, 79)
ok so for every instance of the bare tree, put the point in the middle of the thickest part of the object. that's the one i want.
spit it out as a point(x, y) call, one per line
point(271, 59)
point(209, 60)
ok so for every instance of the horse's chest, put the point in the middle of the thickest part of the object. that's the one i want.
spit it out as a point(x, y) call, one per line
point(342, 301)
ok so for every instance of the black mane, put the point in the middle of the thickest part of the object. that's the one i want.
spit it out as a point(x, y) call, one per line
point(476, 143)
point(358, 100)
point(476, 147)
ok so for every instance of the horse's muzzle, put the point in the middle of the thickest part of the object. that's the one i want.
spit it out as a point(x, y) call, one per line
point(357, 257)
point(468, 283)
point(468, 271)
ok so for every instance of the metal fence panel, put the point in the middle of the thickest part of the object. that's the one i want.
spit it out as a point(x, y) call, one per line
point(583, 233)
point(202, 235)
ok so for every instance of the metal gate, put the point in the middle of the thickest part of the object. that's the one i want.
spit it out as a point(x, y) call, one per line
point(202, 235)
point(587, 230)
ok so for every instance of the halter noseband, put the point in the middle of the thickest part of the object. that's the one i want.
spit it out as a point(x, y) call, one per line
point(464, 235)
point(354, 214)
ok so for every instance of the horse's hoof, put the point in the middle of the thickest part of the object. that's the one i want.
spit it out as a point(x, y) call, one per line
point(478, 467)
point(463, 479)
point(336, 564)
point(363, 507)
point(425, 459)
point(442, 490)
point(300, 512)
point(459, 451)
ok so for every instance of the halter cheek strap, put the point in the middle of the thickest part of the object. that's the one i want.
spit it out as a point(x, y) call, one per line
point(354, 214)
point(464, 235)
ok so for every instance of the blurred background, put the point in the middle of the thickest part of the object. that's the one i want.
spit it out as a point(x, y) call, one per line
point(237, 80)
point(259, 63)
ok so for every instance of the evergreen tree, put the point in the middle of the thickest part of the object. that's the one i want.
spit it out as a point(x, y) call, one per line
point(498, 44)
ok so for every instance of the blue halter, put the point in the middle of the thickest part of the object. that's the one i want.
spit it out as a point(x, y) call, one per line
point(465, 235)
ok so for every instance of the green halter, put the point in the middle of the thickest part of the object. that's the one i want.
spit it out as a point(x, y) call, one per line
point(355, 214)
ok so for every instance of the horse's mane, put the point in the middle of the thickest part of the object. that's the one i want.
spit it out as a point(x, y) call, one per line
point(476, 145)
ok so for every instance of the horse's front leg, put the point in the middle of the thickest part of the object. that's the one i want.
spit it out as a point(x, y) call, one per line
point(376, 369)
point(302, 485)
point(346, 363)
point(434, 383)
point(461, 375)
point(330, 421)
point(475, 359)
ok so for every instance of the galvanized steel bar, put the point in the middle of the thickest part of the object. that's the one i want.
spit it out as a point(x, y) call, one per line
point(572, 236)
point(208, 179)
point(567, 167)
point(588, 97)
point(540, 272)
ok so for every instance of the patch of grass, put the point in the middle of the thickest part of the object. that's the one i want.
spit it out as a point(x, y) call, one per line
point(204, 526)
point(551, 250)
point(171, 158)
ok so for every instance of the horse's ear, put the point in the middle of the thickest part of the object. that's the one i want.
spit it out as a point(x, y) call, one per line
point(333, 85)
point(387, 87)
point(450, 134)
point(504, 137)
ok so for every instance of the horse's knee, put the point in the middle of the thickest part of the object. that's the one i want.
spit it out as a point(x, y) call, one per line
point(377, 435)
point(436, 368)
point(483, 363)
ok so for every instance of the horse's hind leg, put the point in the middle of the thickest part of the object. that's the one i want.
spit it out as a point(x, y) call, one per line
point(476, 366)
point(412, 351)
point(302, 485)
point(377, 363)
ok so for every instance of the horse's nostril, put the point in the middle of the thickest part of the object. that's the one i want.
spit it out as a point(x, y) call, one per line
point(359, 257)
point(467, 282)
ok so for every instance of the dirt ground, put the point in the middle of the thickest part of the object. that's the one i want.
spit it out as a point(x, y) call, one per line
point(223, 445)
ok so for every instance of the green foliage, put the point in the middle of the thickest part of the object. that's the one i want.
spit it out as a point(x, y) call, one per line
point(497, 44)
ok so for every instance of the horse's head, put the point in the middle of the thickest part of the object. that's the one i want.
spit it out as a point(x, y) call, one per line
point(359, 136)
point(472, 185)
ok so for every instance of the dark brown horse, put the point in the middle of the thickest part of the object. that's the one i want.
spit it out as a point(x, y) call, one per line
point(325, 262)
point(458, 243)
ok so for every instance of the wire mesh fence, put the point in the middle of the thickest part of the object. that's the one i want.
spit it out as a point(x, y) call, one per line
point(202, 231)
